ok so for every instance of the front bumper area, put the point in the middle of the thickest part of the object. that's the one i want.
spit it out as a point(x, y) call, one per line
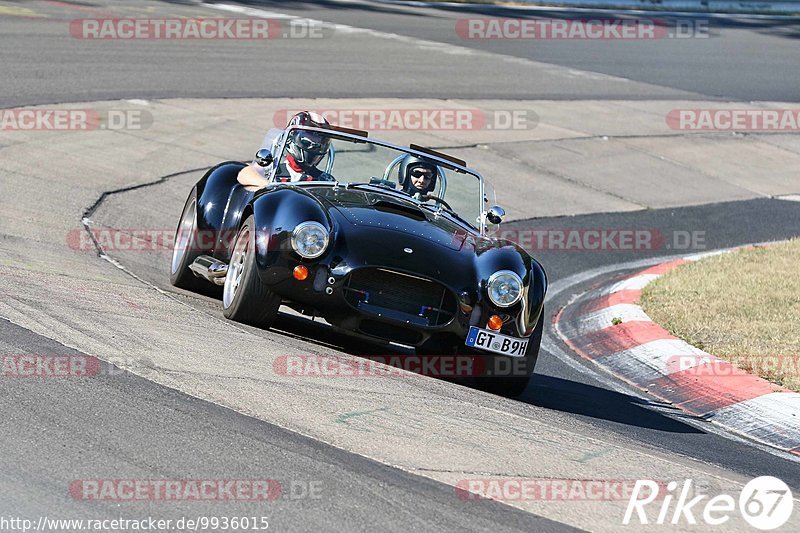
point(384, 304)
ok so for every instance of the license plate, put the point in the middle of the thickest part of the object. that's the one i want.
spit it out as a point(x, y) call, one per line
point(492, 341)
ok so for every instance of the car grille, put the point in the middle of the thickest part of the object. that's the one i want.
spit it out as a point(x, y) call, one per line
point(398, 296)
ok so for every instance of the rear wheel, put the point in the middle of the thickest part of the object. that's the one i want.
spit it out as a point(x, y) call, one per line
point(185, 249)
point(245, 298)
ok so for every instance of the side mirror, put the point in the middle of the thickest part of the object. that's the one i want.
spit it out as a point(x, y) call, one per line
point(495, 214)
point(264, 158)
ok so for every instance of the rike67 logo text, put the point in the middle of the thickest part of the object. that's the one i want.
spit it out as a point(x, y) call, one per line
point(765, 503)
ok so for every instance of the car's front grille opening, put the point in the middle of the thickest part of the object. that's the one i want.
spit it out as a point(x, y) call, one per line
point(399, 296)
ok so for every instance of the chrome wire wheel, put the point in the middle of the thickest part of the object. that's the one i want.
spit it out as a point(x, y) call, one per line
point(236, 266)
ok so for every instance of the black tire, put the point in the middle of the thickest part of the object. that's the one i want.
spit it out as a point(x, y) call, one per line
point(514, 386)
point(185, 249)
point(245, 297)
point(446, 349)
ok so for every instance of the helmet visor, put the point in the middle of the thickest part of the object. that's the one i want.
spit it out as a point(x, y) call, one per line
point(309, 147)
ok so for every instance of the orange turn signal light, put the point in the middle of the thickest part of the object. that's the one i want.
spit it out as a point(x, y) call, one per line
point(495, 322)
point(300, 272)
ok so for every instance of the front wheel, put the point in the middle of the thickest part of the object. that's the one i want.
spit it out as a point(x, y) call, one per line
point(245, 298)
point(514, 385)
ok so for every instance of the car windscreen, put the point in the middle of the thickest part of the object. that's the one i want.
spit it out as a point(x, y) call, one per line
point(351, 161)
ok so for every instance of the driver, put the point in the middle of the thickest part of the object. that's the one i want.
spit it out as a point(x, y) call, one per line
point(304, 151)
point(417, 176)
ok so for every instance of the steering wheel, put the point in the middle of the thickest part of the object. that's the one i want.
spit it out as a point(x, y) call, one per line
point(426, 197)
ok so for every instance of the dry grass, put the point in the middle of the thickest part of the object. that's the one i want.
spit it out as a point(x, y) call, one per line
point(743, 307)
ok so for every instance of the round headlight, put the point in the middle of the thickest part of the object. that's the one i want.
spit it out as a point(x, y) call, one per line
point(310, 239)
point(505, 288)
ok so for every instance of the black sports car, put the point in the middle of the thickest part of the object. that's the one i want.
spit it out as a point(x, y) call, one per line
point(388, 243)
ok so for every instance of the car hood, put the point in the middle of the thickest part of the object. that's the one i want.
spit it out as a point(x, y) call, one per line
point(376, 211)
point(374, 229)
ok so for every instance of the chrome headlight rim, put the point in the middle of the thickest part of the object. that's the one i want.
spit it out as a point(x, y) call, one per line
point(310, 224)
point(493, 278)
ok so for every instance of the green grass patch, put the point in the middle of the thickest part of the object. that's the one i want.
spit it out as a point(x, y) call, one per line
point(743, 306)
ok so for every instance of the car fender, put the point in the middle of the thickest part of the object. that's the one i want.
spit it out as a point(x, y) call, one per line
point(537, 290)
point(214, 194)
point(276, 212)
point(506, 255)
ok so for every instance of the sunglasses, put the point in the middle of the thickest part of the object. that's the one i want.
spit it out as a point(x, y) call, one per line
point(421, 173)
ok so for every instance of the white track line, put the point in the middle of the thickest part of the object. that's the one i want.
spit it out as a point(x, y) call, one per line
point(584, 9)
point(632, 284)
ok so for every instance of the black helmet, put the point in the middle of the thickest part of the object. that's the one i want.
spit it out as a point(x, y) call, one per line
point(410, 166)
point(308, 148)
point(308, 118)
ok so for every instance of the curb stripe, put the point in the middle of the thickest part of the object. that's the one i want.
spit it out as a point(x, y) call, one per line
point(621, 337)
point(635, 283)
point(645, 364)
point(644, 354)
point(771, 419)
point(706, 388)
point(604, 318)
point(663, 268)
point(627, 296)
point(703, 255)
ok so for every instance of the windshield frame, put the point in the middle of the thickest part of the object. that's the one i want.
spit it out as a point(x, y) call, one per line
point(281, 147)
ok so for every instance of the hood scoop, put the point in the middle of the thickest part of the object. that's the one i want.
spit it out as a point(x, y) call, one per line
point(397, 208)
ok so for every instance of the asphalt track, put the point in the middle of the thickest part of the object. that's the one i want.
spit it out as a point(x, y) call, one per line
point(743, 58)
point(128, 427)
point(173, 436)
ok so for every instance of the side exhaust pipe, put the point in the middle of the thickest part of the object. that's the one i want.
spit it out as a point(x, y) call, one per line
point(209, 269)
